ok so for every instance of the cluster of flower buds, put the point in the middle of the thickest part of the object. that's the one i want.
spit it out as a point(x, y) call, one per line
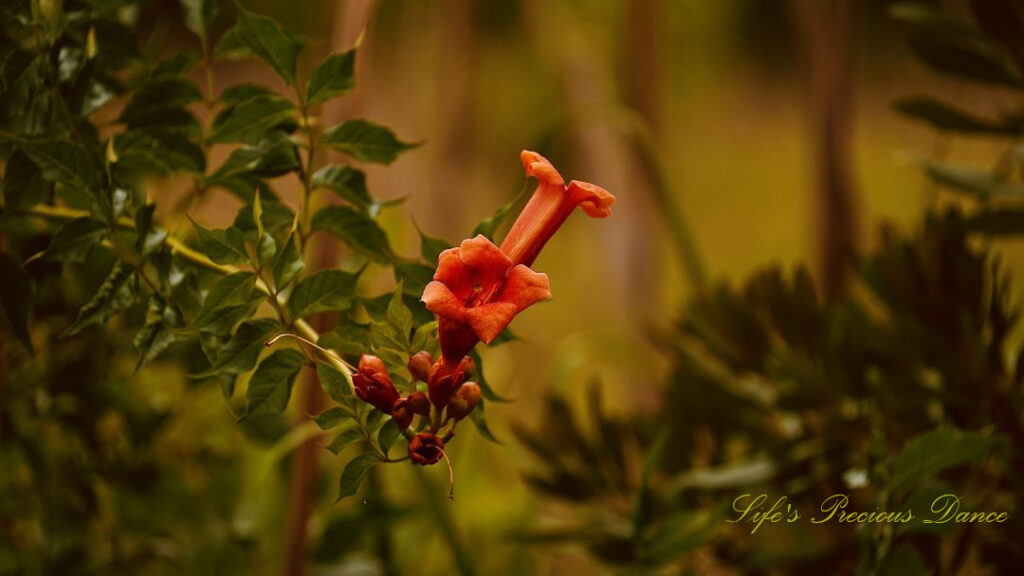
point(450, 397)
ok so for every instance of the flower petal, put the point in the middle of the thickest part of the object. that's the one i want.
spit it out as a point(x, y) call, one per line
point(591, 198)
point(539, 167)
point(489, 320)
point(442, 301)
point(454, 273)
point(524, 287)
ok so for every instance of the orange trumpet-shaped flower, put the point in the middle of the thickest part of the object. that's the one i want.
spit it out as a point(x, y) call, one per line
point(476, 292)
point(549, 208)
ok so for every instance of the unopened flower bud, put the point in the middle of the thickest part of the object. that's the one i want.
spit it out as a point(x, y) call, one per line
point(401, 413)
point(443, 381)
point(373, 385)
point(426, 449)
point(419, 365)
point(465, 400)
point(419, 403)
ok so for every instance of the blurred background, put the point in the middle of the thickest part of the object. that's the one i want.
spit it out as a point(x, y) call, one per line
point(734, 134)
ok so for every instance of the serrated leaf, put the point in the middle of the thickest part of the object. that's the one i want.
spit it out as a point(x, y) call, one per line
point(324, 291)
point(265, 38)
point(354, 472)
point(946, 117)
point(344, 439)
point(158, 333)
point(349, 338)
point(935, 451)
point(158, 152)
point(23, 183)
point(399, 316)
point(365, 141)
point(274, 155)
point(250, 120)
point(117, 293)
point(424, 338)
point(334, 383)
point(75, 240)
point(225, 246)
point(240, 353)
point(15, 298)
point(147, 236)
point(287, 264)
point(356, 229)
point(231, 290)
point(333, 77)
point(331, 418)
point(347, 182)
point(154, 98)
point(270, 386)
point(65, 163)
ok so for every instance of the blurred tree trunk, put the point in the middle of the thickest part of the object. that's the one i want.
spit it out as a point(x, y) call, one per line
point(350, 19)
point(455, 112)
point(643, 65)
point(827, 32)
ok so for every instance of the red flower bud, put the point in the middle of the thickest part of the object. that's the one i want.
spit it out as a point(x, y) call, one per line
point(419, 403)
point(426, 449)
point(373, 385)
point(401, 413)
point(443, 381)
point(419, 365)
point(465, 400)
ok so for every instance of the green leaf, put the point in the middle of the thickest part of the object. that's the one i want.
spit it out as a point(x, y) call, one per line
point(240, 353)
point(985, 185)
point(485, 388)
point(225, 246)
point(117, 293)
point(387, 435)
point(344, 439)
point(270, 386)
point(431, 246)
point(480, 421)
point(288, 263)
point(331, 418)
point(333, 77)
point(399, 316)
point(239, 93)
point(158, 333)
point(23, 185)
point(15, 298)
point(356, 229)
point(347, 182)
point(488, 226)
point(158, 152)
point(231, 290)
point(275, 215)
point(349, 338)
point(353, 474)
point(953, 48)
point(274, 155)
point(155, 98)
point(365, 141)
point(250, 120)
point(266, 249)
point(266, 39)
point(322, 292)
point(65, 163)
point(932, 452)
point(75, 240)
point(334, 383)
point(147, 236)
point(946, 117)
point(199, 15)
